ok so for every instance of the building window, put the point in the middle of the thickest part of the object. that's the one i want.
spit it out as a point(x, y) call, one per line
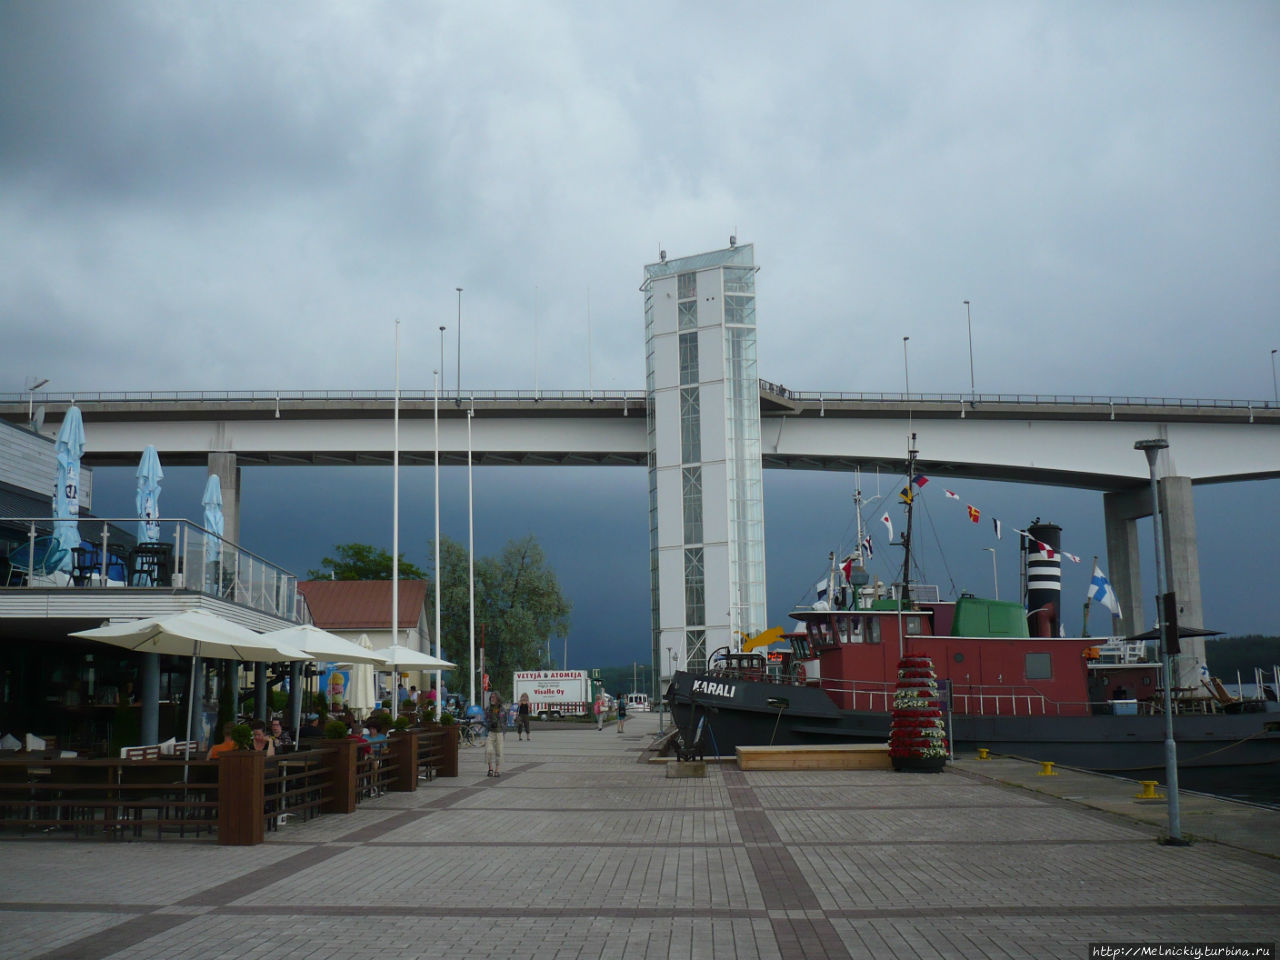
point(692, 477)
point(694, 590)
point(689, 357)
point(1039, 666)
point(695, 645)
point(740, 310)
point(739, 280)
point(687, 286)
point(688, 314)
point(690, 426)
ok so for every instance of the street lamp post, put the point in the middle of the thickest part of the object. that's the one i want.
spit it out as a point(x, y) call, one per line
point(1275, 393)
point(458, 376)
point(36, 384)
point(995, 576)
point(1152, 450)
point(969, 319)
point(436, 419)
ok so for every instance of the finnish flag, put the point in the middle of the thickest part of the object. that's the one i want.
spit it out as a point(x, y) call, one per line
point(1100, 589)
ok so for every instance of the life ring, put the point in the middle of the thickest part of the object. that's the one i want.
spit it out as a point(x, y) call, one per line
point(797, 670)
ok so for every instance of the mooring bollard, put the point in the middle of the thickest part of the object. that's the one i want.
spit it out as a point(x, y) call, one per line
point(1046, 769)
point(1148, 791)
point(982, 753)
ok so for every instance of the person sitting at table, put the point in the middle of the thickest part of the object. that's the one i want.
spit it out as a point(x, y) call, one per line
point(280, 736)
point(227, 743)
point(311, 727)
point(261, 741)
point(357, 734)
point(376, 737)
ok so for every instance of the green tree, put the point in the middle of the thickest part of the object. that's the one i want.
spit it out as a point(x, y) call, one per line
point(360, 561)
point(519, 607)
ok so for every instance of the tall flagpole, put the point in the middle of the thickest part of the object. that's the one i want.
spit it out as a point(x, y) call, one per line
point(436, 414)
point(471, 558)
point(395, 531)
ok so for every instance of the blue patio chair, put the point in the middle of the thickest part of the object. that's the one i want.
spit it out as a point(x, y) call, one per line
point(48, 557)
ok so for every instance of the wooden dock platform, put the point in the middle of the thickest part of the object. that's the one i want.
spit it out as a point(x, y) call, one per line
point(842, 756)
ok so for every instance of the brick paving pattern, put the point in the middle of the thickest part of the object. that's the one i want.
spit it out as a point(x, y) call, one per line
point(579, 851)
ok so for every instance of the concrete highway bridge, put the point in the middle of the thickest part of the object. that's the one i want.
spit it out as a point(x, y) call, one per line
point(1074, 441)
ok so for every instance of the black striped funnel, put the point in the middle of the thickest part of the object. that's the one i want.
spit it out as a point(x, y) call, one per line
point(1044, 579)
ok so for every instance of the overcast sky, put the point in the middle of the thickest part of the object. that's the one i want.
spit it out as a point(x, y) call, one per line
point(247, 195)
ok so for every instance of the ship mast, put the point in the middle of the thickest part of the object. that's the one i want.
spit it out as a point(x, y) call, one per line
point(904, 602)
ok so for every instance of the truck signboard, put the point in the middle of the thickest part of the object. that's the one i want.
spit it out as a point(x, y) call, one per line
point(556, 693)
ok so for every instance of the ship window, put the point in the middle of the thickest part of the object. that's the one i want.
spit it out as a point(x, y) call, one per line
point(850, 629)
point(914, 626)
point(1146, 681)
point(1039, 666)
point(873, 630)
point(959, 658)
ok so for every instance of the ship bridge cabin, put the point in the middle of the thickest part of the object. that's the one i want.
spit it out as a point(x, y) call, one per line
point(980, 648)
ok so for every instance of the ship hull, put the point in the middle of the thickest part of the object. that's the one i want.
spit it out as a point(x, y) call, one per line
point(738, 713)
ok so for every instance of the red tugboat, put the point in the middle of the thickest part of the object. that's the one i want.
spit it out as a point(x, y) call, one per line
point(1012, 683)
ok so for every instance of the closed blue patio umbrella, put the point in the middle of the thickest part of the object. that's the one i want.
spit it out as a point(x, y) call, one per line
point(149, 475)
point(214, 524)
point(66, 494)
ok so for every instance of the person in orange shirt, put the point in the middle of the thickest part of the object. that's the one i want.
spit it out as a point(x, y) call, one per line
point(227, 743)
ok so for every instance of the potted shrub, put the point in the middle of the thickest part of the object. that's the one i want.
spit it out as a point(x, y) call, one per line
point(335, 730)
point(242, 734)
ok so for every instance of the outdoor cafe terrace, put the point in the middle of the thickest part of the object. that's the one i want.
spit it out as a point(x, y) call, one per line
point(83, 760)
point(236, 799)
point(111, 574)
point(91, 700)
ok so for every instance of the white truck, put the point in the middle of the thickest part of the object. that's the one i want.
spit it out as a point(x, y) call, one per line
point(556, 693)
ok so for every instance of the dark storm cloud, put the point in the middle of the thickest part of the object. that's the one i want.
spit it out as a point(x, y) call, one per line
point(245, 196)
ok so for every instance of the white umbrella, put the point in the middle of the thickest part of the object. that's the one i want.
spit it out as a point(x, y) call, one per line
point(360, 693)
point(194, 633)
point(323, 645)
point(398, 656)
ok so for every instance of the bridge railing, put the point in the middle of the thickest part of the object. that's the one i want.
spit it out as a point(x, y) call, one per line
point(499, 396)
point(184, 556)
point(1048, 399)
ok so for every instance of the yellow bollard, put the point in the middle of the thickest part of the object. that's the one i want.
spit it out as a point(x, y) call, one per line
point(1046, 769)
point(982, 753)
point(1148, 791)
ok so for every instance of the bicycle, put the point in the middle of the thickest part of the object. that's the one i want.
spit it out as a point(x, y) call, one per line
point(472, 733)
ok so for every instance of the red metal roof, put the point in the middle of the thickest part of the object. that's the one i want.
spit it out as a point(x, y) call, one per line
point(363, 604)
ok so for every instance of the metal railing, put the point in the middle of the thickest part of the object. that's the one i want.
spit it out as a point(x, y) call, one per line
point(501, 395)
point(190, 558)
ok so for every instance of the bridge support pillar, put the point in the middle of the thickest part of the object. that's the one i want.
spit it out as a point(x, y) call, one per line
point(1122, 509)
point(224, 465)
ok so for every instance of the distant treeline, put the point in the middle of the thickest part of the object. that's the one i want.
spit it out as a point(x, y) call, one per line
point(1227, 655)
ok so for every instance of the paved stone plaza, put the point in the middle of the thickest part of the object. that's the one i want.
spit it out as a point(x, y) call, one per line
point(578, 851)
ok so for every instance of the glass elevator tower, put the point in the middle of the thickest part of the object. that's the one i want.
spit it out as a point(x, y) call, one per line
point(706, 501)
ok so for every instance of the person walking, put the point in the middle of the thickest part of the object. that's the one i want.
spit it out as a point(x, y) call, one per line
point(599, 708)
point(522, 718)
point(622, 713)
point(493, 742)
